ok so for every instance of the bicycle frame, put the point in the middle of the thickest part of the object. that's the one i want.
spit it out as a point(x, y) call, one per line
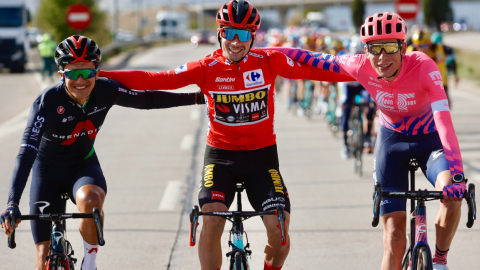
point(418, 221)
point(59, 246)
point(236, 233)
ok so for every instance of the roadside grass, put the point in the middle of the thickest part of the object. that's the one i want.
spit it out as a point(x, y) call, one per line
point(468, 65)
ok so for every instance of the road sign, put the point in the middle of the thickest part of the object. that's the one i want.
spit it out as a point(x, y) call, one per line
point(407, 9)
point(78, 16)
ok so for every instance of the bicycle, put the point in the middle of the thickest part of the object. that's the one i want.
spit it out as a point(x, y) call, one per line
point(418, 255)
point(355, 135)
point(238, 254)
point(331, 114)
point(60, 250)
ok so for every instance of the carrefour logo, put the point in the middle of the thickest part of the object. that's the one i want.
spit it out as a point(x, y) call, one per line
point(253, 78)
point(181, 69)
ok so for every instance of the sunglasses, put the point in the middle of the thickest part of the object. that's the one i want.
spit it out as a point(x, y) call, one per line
point(86, 73)
point(230, 33)
point(390, 48)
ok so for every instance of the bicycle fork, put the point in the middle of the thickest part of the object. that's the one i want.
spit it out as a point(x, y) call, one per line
point(420, 225)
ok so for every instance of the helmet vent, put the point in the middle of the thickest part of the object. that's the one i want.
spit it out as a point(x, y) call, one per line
point(399, 27)
point(388, 28)
point(363, 31)
point(370, 19)
point(370, 30)
point(389, 17)
point(252, 17)
point(380, 15)
point(379, 27)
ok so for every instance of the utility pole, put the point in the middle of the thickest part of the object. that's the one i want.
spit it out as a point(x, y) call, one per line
point(139, 20)
point(200, 17)
point(115, 20)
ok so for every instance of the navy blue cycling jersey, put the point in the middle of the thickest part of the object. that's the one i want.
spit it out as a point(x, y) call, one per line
point(60, 132)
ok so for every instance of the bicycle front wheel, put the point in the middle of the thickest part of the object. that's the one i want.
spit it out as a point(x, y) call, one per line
point(238, 261)
point(423, 259)
point(56, 263)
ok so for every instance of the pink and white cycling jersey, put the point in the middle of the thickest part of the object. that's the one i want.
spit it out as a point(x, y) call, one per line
point(414, 103)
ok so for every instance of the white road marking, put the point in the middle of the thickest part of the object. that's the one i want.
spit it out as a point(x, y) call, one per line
point(170, 196)
point(187, 142)
point(195, 115)
point(19, 121)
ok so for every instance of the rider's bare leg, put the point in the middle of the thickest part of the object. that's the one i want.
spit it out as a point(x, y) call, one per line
point(448, 216)
point(394, 240)
point(41, 252)
point(276, 254)
point(209, 246)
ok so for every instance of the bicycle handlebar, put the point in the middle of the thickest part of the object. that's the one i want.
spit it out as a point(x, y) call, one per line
point(422, 195)
point(57, 217)
point(194, 215)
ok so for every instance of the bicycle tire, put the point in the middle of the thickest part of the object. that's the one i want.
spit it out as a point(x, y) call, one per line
point(238, 261)
point(424, 259)
point(56, 263)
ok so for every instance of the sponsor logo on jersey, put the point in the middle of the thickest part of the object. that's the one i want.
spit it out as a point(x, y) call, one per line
point(375, 84)
point(277, 181)
point(60, 110)
point(289, 61)
point(36, 128)
point(385, 100)
point(225, 87)
point(217, 195)
point(95, 110)
point(208, 175)
point(403, 101)
point(436, 75)
point(255, 55)
point(45, 205)
point(241, 107)
point(133, 93)
point(436, 154)
point(228, 79)
point(28, 145)
point(213, 63)
point(276, 199)
point(81, 129)
point(181, 69)
point(253, 78)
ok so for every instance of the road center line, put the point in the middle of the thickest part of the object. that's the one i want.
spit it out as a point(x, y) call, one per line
point(170, 196)
point(187, 142)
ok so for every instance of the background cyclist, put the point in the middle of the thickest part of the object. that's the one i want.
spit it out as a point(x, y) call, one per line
point(350, 91)
point(57, 144)
point(239, 84)
point(415, 123)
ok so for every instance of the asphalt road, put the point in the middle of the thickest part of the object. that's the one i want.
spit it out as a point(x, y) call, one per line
point(152, 162)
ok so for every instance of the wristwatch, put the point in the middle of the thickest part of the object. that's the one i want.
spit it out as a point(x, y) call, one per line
point(459, 178)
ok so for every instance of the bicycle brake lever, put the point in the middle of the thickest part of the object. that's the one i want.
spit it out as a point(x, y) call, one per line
point(11, 238)
point(377, 198)
point(98, 225)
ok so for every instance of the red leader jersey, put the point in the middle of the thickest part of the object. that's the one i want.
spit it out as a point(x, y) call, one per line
point(240, 96)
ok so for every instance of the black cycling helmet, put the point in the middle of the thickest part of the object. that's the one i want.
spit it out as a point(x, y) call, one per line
point(77, 49)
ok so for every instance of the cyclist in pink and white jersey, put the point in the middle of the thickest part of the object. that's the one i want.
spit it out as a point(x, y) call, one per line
point(415, 123)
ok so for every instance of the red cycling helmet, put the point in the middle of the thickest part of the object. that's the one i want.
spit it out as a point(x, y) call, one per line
point(383, 25)
point(239, 14)
point(77, 49)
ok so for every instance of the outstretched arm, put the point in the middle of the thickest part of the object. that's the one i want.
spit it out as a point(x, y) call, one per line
point(190, 73)
point(332, 68)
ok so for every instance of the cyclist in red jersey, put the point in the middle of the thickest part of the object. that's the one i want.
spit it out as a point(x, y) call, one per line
point(415, 122)
point(239, 85)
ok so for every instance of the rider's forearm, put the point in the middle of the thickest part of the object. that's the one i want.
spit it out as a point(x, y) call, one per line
point(19, 178)
point(446, 131)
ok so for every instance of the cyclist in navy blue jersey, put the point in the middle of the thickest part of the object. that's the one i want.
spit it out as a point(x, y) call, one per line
point(57, 144)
